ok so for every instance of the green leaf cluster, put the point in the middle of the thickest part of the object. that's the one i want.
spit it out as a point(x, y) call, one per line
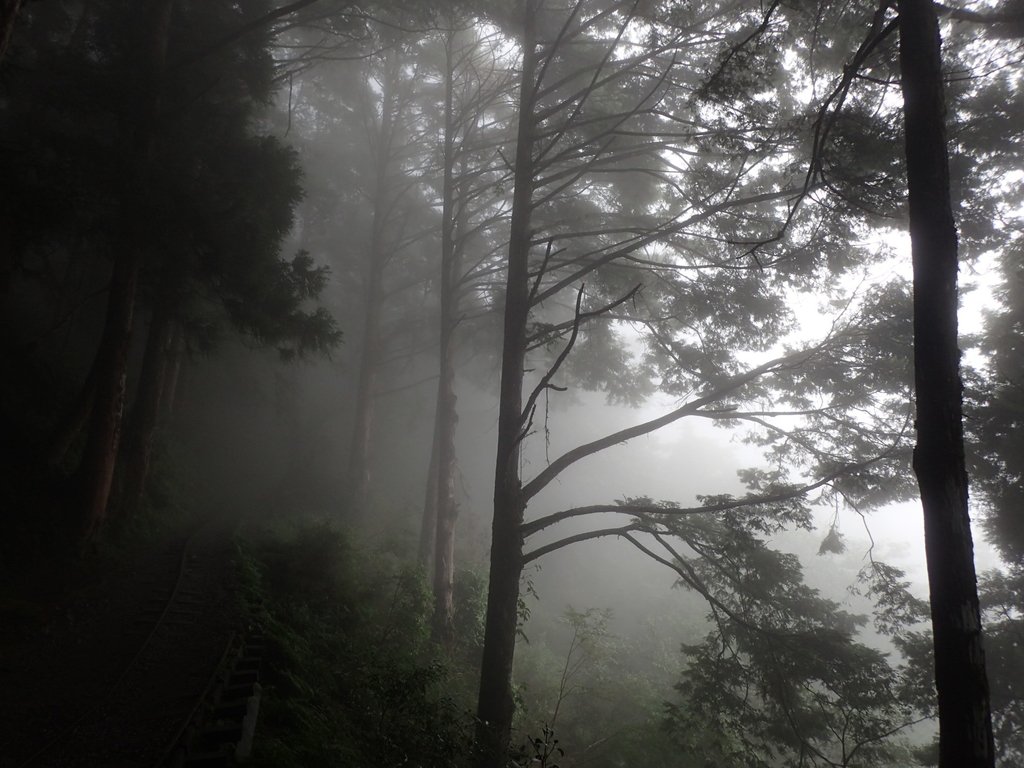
point(351, 677)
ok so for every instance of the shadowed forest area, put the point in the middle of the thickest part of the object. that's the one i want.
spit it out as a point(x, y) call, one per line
point(550, 383)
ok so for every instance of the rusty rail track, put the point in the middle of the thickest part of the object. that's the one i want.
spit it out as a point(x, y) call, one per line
point(188, 660)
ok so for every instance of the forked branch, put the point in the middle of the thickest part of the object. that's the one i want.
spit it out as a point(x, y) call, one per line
point(647, 510)
point(579, 317)
point(785, 362)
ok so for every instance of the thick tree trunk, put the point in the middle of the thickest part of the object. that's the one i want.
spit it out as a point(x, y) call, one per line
point(100, 456)
point(496, 708)
point(373, 293)
point(965, 726)
point(8, 15)
point(145, 415)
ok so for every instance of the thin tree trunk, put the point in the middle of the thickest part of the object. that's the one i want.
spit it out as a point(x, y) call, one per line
point(8, 257)
point(8, 15)
point(376, 259)
point(495, 707)
point(172, 384)
point(362, 430)
point(447, 414)
point(428, 520)
point(447, 510)
point(145, 415)
point(100, 456)
point(965, 724)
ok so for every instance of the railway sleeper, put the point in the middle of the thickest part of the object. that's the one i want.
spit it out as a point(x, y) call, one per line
point(221, 732)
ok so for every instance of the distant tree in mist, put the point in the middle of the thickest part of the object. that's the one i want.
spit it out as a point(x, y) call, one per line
point(1002, 602)
point(474, 90)
point(432, 278)
point(367, 128)
point(388, 188)
point(995, 410)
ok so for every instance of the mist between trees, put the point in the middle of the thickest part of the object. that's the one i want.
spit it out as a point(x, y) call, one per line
point(509, 289)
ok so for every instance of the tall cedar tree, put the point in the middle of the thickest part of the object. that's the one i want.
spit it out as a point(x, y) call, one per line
point(378, 252)
point(965, 723)
point(472, 84)
point(443, 463)
point(495, 706)
point(593, 125)
point(162, 171)
point(139, 127)
point(392, 123)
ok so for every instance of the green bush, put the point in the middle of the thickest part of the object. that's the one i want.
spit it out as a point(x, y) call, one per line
point(351, 676)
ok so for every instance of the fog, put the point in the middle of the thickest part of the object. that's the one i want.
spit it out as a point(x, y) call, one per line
point(557, 374)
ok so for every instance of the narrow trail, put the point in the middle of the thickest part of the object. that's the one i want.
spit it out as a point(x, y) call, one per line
point(150, 667)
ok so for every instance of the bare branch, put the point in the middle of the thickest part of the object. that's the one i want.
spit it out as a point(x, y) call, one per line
point(827, 115)
point(545, 381)
point(1015, 17)
point(246, 29)
point(569, 458)
point(554, 546)
point(668, 227)
point(647, 510)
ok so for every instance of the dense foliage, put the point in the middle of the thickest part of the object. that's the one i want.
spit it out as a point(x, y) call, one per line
point(352, 677)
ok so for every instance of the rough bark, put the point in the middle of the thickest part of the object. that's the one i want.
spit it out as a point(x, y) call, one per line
point(99, 458)
point(145, 415)
point(8, 15)
point(100, 455)
point(965, 726)
point(373, 292)
point(495, 706)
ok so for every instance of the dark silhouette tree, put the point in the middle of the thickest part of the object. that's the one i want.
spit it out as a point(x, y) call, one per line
point(140, 125)
point(179, 220)
point(597, 120)
point(965, 724)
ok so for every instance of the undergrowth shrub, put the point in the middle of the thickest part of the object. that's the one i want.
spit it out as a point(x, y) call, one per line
point(350, 674)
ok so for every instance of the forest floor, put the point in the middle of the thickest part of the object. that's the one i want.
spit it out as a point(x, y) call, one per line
point(67, 638)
